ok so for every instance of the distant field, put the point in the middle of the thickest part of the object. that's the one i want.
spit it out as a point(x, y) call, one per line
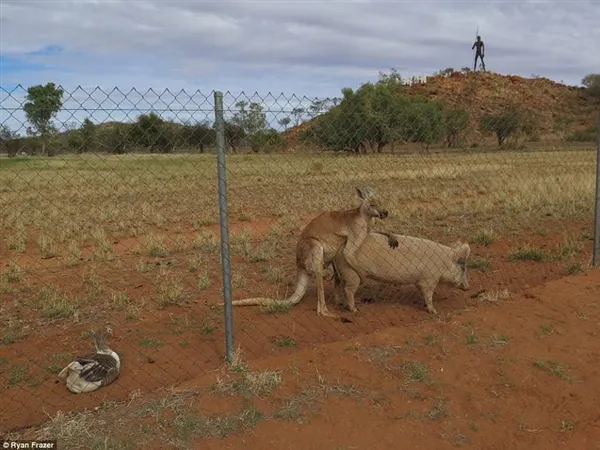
point(72, 197)
point(132, 240)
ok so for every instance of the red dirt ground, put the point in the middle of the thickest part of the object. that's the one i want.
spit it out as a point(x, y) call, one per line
point(518, 374)
point(163, 360)
point(495, 396)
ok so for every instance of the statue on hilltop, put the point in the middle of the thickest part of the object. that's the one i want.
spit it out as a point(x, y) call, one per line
point(479, 52)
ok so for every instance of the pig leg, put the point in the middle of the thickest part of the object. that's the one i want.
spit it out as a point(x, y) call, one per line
point(351, 284)
point(427, 287)
point(338, 288)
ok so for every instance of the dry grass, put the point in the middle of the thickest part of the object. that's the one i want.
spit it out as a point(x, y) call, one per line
point(485, 237)
point(495, 295)
point(251, 383)
point(54, 304)
point(97, 199)
point(174, 418)
point(170, 289)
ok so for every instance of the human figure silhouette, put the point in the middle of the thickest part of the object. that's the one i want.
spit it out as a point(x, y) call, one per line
point(479, 53)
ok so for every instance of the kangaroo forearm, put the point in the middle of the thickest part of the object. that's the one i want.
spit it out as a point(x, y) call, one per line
point(392, 240)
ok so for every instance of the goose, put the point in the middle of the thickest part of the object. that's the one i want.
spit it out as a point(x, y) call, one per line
point(92, 371)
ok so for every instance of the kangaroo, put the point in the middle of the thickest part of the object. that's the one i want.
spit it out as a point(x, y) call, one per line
point(415, 261)
point(328, 234)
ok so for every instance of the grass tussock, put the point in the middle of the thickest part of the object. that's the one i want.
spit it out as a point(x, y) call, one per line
point(485, 237)
point(55, 304)
point(154, 245)
point(249, 384)
point(494, 295)
point(528, 253)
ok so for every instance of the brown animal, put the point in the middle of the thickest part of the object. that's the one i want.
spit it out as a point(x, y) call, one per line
point(415, 261)
point(328, 234)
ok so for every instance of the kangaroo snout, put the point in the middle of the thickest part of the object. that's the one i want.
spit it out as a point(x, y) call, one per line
point(383, 213)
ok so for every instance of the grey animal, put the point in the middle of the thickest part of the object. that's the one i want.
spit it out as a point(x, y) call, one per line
point(95, 370)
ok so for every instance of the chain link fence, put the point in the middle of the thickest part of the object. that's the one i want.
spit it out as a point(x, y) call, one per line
point(129, 209)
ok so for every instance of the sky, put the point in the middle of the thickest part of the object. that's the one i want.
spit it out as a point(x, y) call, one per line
point(281, 51)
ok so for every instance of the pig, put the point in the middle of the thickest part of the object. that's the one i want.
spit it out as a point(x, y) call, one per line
point(417, 261)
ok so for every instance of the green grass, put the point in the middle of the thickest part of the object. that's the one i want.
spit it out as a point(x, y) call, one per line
point(554, 368)
point(484, 237)
point(528, 253)
point(416, 371)
point(17, 375)
point(285, 341)
point(573, 269)
point(478, 263)
point(153, 343)
point(439, 410)
point(472, 339)
point(9, 337)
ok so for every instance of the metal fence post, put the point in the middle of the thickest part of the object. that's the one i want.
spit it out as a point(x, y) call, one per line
point(224, 224)
point(596, 256)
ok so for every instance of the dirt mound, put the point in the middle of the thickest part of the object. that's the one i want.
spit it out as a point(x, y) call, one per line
point(480, 93)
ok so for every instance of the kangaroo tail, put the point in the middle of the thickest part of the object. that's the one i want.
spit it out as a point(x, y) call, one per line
point(301, 287)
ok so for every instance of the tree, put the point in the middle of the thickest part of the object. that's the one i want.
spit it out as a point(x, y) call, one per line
point(234, 135)
point(42, 105)
point(250, 117)
point(318, 106)
point(297, 114)
point(6, 134)
point(250, 122)
point(592, 84)
point(200, 135)
point(266, 140)
point(375, 115)
point(284, 122)
point(115, 139)
point(88, 135)
point(423, 122)
point(503, 124)
point(392, 78)
point(154, 133)
point(8, 140)
point(561, 125)
point(456, 121)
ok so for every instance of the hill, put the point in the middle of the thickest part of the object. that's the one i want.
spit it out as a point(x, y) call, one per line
point(559, 109)
point(548, 112)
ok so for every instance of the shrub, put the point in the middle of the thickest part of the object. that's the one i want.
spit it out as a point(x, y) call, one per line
point(266, 140)
point(456, 122)
point(503, 124)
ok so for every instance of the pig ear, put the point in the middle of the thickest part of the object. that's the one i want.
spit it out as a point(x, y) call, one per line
point(462, 251)
point(455, 245)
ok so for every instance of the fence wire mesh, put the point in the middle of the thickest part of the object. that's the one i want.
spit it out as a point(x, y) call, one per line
point(110, 216)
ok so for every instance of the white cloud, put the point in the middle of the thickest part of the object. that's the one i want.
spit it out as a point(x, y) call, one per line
point(311, 48)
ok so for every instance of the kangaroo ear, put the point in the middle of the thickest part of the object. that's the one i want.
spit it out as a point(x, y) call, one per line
point(365, 193)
